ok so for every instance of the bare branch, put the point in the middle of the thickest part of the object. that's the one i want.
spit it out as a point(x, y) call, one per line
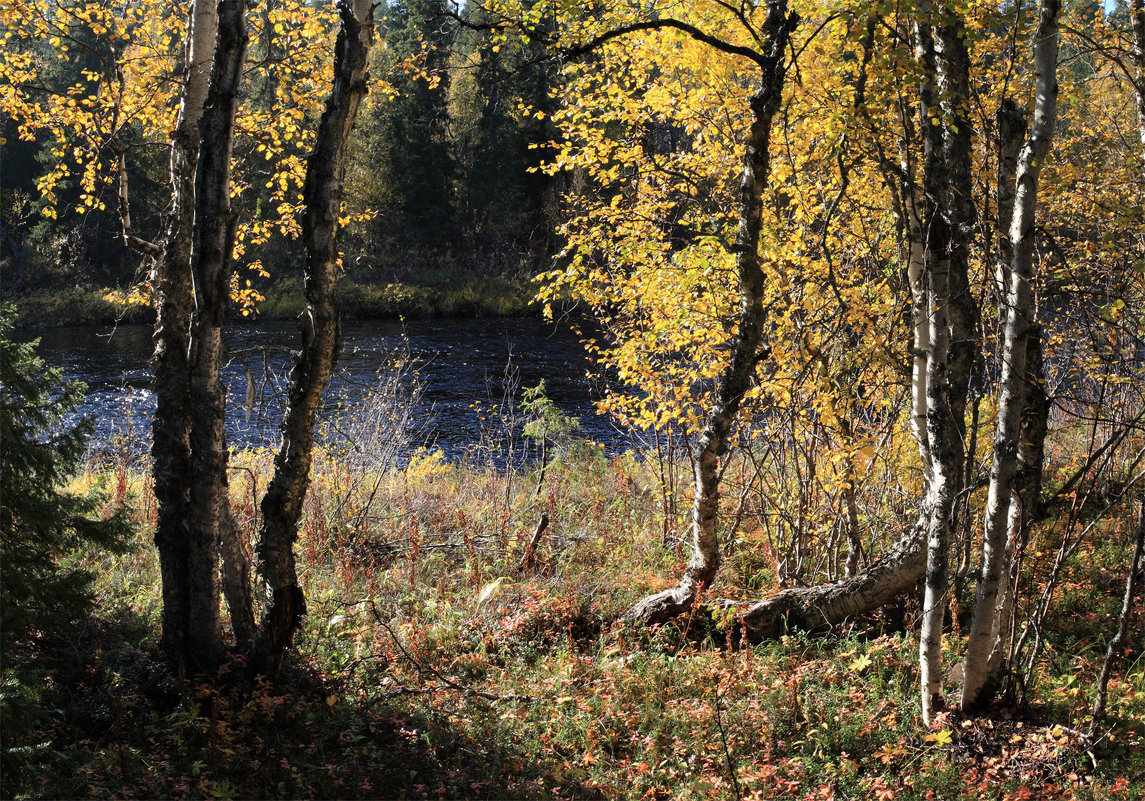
point(129, 238)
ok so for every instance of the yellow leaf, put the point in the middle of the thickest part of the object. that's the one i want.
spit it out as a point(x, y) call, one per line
point(939, 738)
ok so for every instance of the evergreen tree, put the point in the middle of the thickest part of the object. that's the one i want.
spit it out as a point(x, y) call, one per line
point(501, 108)
point(411, 146)
point(40, 525)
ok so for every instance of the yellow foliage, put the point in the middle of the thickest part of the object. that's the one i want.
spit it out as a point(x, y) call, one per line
point(126, 54)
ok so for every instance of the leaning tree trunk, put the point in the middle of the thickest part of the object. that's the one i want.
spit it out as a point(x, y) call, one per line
point(748, 343)
point(936, 233)
point(184, 638)
point(985, 634)
point(322, 194)
point(236, 581)
point(934, 239)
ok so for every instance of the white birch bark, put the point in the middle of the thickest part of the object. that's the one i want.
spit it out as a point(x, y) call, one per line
point(984, 631)
point(1011, 123)
point(950, 222)
point(934, 290)
point(919, 314)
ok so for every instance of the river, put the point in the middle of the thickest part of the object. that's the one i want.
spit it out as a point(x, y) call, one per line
point(452, 385)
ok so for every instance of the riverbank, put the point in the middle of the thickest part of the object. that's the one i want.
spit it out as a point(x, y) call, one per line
point(464, 295)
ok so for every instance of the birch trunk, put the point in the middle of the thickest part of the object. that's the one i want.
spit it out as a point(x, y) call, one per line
point(985, 629)
point(236, 582)
point(812, 608)
point(1026, 494)
point(1011, 124)
point(1032, 442)
point(171, 426)
point(942, 54)
point(321, 337)
point(919, 315)
point(210, 271)
point(748, 344)
point(958, 206)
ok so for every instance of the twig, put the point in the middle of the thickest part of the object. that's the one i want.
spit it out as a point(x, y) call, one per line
point(531, 547)
point(727, 751)
point(449, 683)
point(1112, 442)
point(1115, 645)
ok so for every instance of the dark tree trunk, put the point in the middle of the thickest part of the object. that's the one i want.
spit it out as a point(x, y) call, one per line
point(210, 270)
point(322, 193)
point(1032, 441)
point(748, 345)
point(1137, 18)
point(182, 641)
point(236, 581)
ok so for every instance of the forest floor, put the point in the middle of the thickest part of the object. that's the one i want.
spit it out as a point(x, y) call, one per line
point(431, 666)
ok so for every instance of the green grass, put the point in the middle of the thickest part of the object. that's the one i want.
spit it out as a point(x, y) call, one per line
point(459, 295)
point(428, 667)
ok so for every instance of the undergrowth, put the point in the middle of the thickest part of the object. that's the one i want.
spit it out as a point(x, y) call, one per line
point(431, 666)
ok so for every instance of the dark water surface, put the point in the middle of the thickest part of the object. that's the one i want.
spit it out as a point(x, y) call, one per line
point(459, 363)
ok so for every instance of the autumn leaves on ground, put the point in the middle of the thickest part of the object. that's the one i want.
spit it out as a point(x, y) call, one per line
point(430, 666)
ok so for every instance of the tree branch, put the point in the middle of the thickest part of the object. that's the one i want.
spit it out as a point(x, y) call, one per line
point(585, 48)
point(129, 238)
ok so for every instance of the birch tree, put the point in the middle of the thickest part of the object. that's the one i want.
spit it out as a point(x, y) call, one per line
point(192, 278)
point(983, 652)
point(642, 261)
point(321, 337)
